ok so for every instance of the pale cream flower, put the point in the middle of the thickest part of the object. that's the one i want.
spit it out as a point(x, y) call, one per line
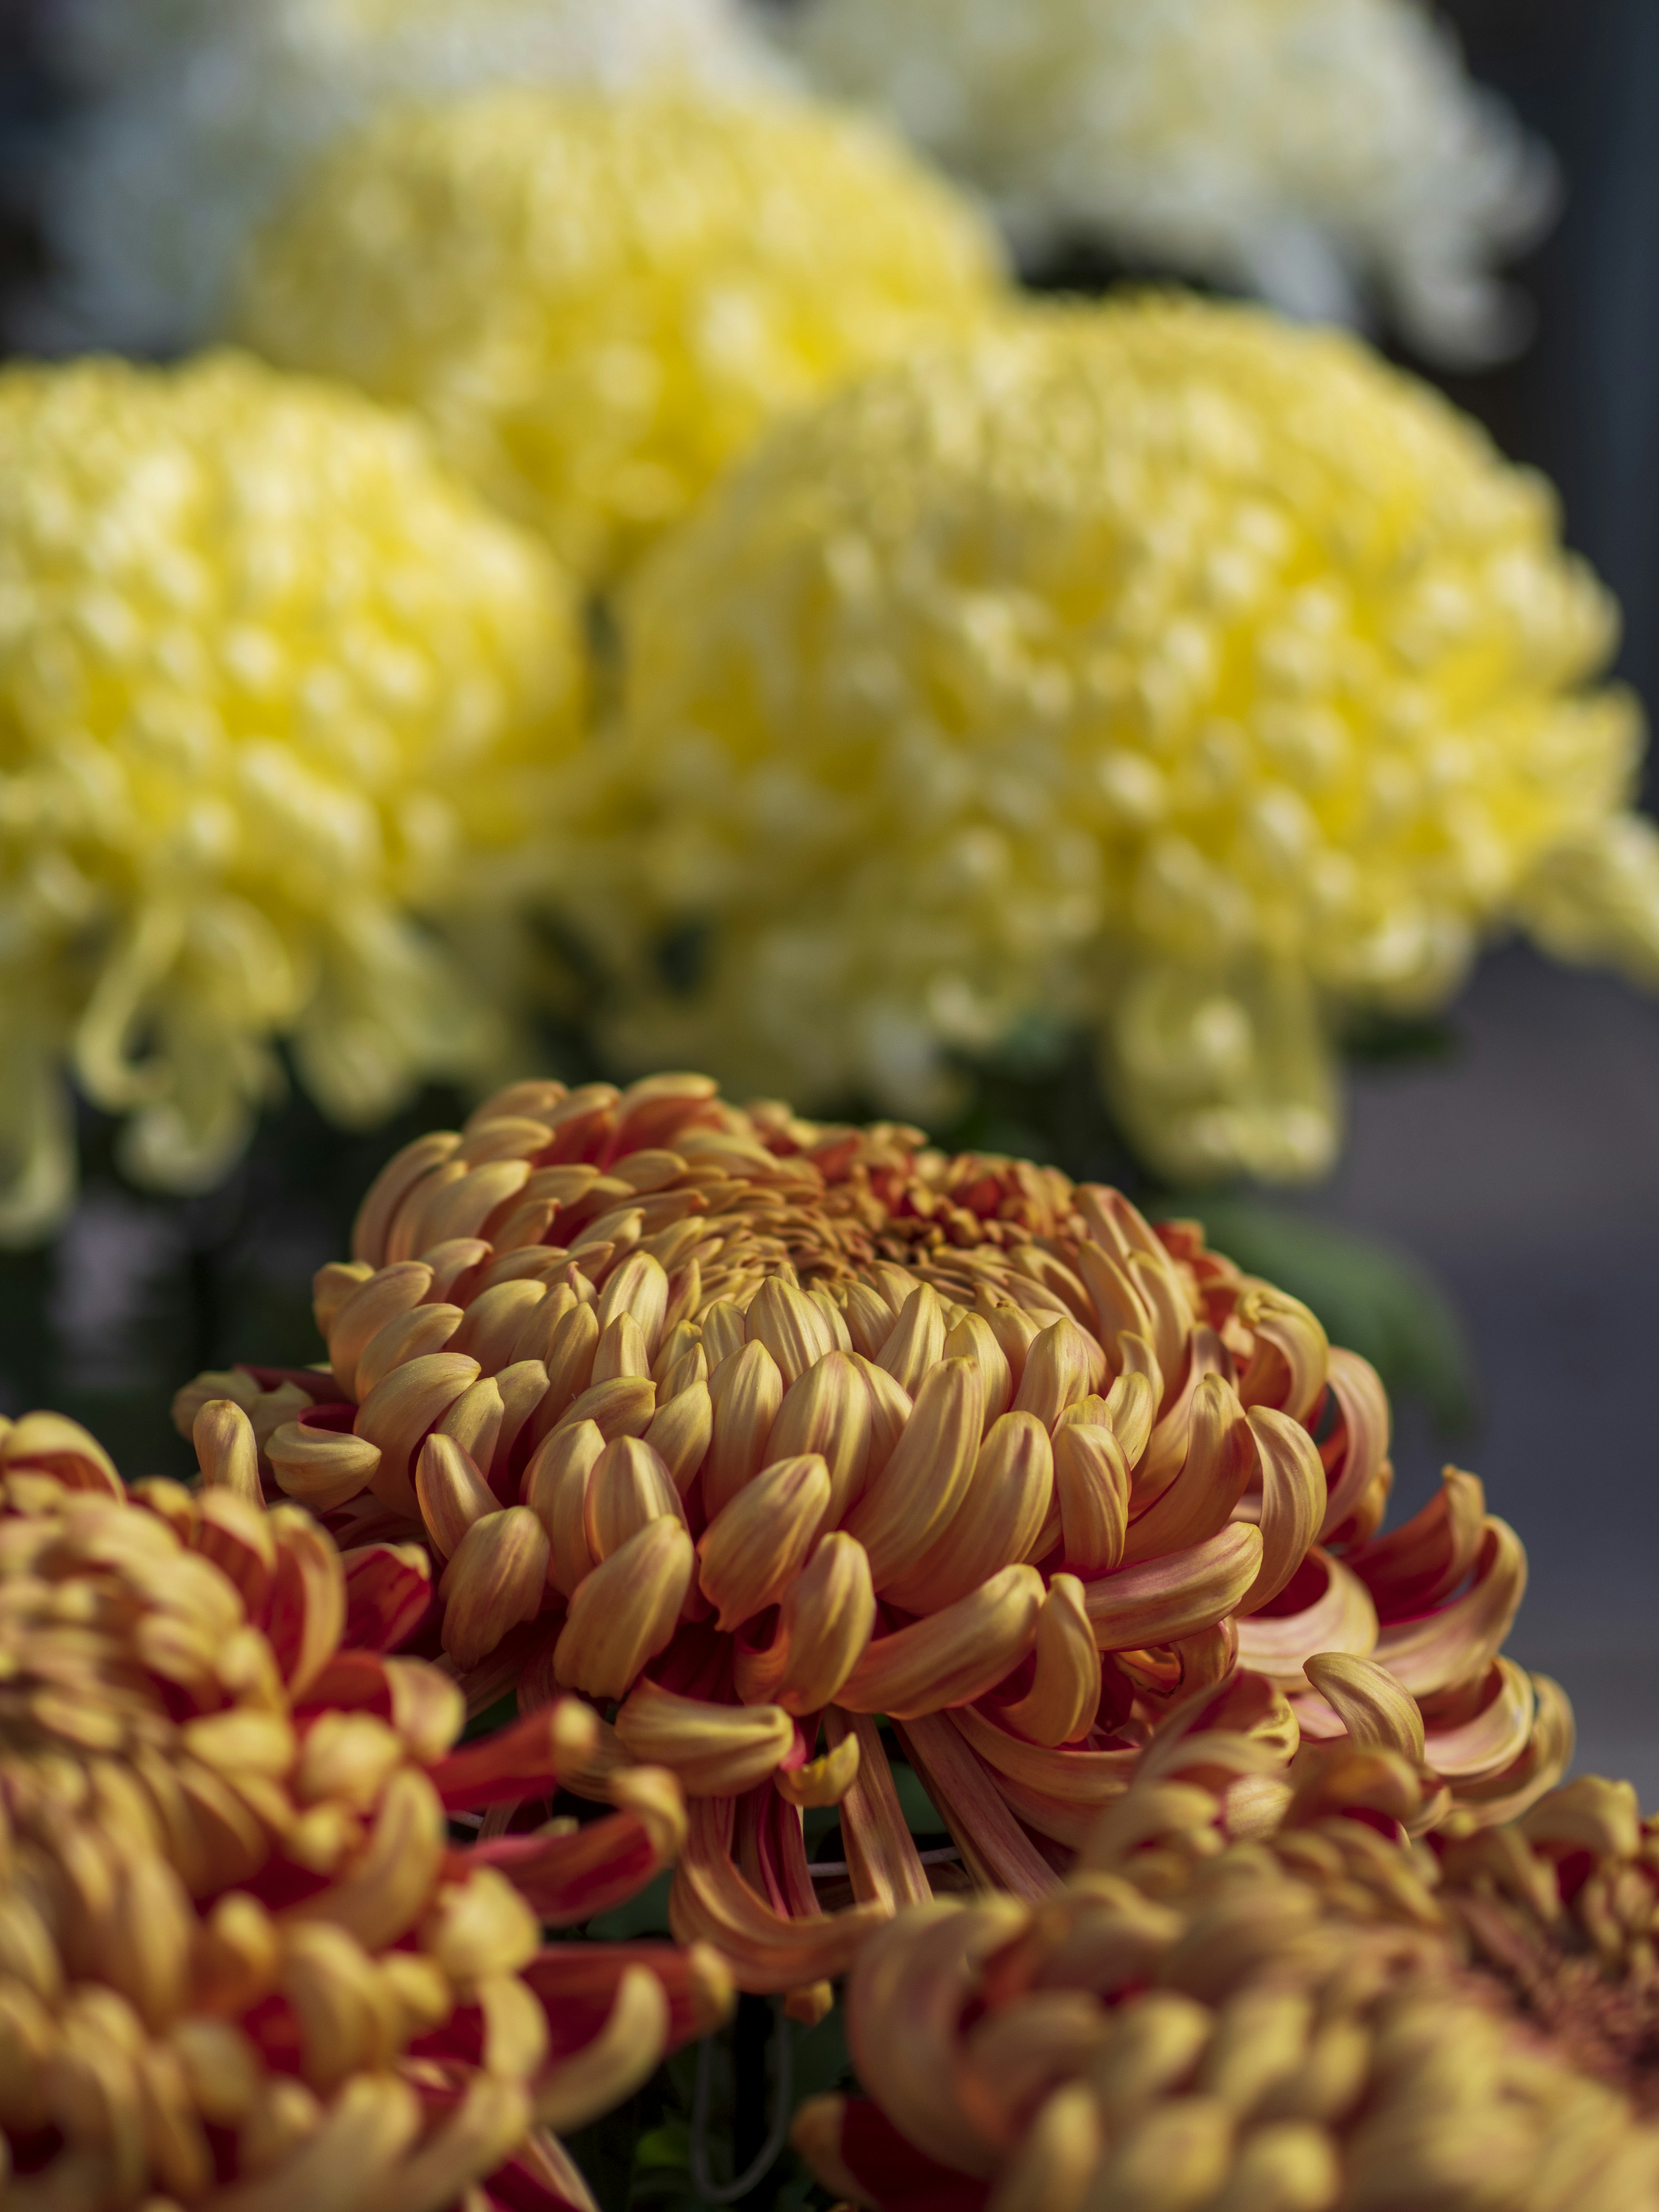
point(202, 113)
point(1327, 153)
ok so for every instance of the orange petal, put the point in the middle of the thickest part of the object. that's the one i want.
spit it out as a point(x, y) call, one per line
point(620, 2057)
point(1288, 1366)
point(1339, 1616)
point(828, 1616)
point(793, 1329)
point(225, 1450)
point(494, 1580)
point(822, 1781)
point(399, 1411)
point(1415, 1565)
point(628, 1487)
point(715, 1750)
point(916, 1494)
point(391, 1187)
point(626, 1610)
point(952, 1657)
point(746, 1392)
point(680, 1432)
point(881, 1856)
point(752, 1550)
point(1364, 1404)
point(998, 1524)
point(1494, 1738)
point(1063, 1363)
point(1069, 1775)
point(1459, 1642)
point(319, 1467)
point(827, 1410)
point(912, 1346)
point(1065, 1693)
point(995, 1848)
point(1091, 1482)
point(1166, 1448)
point(555, 1489)
point(973, 1338)
point(711, 1901)
point(452, 1494)
point(1220, 1460)
point(1293, 1500)
point(1376, 1712)
point(1175, 1596)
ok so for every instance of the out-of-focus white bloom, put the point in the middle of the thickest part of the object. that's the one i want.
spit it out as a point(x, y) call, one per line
point(203, 112)
point(1314, 151)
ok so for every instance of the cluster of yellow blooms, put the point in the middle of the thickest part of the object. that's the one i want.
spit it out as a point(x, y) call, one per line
point(597, 303)
point(767, 1431)
point(1153, 670)
point(247, 1961)
point(271, 686)
point(1155, 665)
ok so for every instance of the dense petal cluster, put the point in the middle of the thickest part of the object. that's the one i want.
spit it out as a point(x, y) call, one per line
point(1298, 2023)
point(201, 113)
point(1315, 151)
point(272, 686)
point(774, 1434)
point(1158, 667)
point(596, 303)
point(244, 1960)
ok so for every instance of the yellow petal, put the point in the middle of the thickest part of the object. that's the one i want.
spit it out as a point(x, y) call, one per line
point(747, 1392)
point(1370, 1705)
point(1163, 1600)
point(1065, 1693)
point(398, 1412)
point(827, 1412)
point(1220, 1459)
point(753, 1549)
point(916, 1494)
point(952, 1657)
point(452, 1494)
point(494, 1580)
point(715, 1750)
point(626, 1610)
point(555, 1489)
point(822, 1781)
point(1293, 1497)
point(1091, 1482)
point(628, 1487)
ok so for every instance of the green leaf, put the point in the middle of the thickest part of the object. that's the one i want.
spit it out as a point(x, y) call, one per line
point(1377, 1300)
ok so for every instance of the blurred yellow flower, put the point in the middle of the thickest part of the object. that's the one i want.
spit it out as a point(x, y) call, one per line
point(1158, 667)
point(271, 685)
point(597, 302)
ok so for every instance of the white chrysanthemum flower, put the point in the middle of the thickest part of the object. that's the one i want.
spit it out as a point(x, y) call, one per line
point(204, 111)
point(1314, 151)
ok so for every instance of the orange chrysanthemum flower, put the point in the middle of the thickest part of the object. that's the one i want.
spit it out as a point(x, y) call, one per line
point(1299, 2023)
point(244, 1960)
point(763, 1434)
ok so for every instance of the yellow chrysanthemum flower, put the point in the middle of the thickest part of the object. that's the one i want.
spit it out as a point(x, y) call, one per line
point(597, 302)
point(1160, 667)
point(271, 684)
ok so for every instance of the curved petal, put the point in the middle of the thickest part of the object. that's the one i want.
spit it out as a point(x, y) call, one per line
point(1458, 1642)
point(1364, 1404)
point(1069, 1775)
point(1162, 1601)
point(1495, 1737)
point(1339, 1618)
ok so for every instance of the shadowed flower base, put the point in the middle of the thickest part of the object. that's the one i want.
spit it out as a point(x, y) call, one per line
point(244, 1960)
point(761, 1436)
point(1307, 2020)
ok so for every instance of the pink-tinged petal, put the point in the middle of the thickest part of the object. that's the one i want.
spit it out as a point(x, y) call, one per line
point(317, 1382)
point(525, 1760)
point(904, 2013)
point(1363, 1405)
point(532, 2182)
point(997, 1850)
point(305, 1612)
point(1293, 1500)
point(768, 1952)
point(1459, 1641)
point(1491, 1738)
point(1073, 1776)
point(1324, 1608)
point(1425, 1561)
point(577, 1985)
point(881, 1857)
point(1503, 1796)
point(861, 2158)
point(1220, 1459)
point(567, 1879)
point(388, 1595)
point(1161, 1601)
point(952, 1656)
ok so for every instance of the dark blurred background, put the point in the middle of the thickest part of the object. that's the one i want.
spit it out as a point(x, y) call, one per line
point(1520, 1165)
